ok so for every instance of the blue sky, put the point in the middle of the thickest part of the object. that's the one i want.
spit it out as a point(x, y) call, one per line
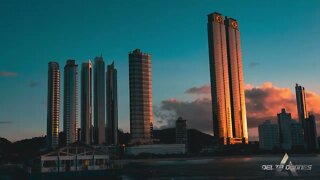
point(280, 44)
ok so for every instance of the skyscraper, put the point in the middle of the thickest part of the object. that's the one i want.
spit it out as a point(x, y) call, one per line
point(301, 104)
point(112, 106)
point(237, 96)
point(140, 84)
point(86, 103)
point(99, 100)
point(53, 106)
point(70, 103)
point(227, 84)
point(308, 121)
point(219, 75)
point(285, 121)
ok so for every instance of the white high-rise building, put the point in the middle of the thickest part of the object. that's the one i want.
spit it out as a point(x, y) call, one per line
point(70, 103)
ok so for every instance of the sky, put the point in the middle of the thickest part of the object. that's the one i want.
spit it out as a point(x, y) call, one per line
point(279, 40)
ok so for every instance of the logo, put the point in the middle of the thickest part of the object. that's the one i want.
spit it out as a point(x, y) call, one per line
point(219, 19)
point(234, 24)
point(286, 168)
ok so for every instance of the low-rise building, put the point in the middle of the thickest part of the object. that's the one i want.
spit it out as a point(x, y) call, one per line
point(157, 149)
point(74, 158)
point(268, 136)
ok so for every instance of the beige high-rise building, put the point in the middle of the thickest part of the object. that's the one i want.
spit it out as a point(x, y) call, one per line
point(227, 84)
point(237, 96)
point(140, 84)
point(53, 106)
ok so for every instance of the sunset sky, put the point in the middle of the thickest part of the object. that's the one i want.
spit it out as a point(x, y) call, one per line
point(280, 47)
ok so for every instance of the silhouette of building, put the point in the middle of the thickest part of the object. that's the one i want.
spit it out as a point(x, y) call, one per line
point(268, 136)
point(70, 103)
point(140, 84)
point(53, 105)
point(284, 122)
point(86, 103)
point(311, 133)
point(227, 91)
point(297, 134)
point(181, 132)
point(99, 101)
point(112, 106)
point(307, 121)
point(301, 104)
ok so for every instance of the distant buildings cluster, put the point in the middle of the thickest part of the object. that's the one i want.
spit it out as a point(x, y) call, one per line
point(227, 87)
point(227, 84)
point(93, 119)
point(290, 134)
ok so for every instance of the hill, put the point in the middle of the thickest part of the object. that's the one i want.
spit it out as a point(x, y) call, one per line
point(196, 139)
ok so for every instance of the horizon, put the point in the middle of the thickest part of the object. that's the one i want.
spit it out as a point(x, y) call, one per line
point(277, 54)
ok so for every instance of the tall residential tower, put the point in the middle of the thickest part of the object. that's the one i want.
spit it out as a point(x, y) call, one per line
point(86, 103)
point(99, 101)
point(53, 106)
point(112, 106)
point(140, 84)
point(70, 103)
point(227, 84)
point(237, 96)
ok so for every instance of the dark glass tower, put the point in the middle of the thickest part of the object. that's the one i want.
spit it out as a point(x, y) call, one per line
point(86, 103)
point(112, 106)
point(99, 101)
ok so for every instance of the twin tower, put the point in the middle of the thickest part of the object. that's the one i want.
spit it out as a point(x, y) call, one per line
point(227, 84)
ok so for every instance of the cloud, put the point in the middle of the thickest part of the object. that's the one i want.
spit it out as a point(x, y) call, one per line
point(205, 89)
point(197, 113)
point(8, 74)
point(5, 122)
point(33, 84)
point(254, 64)
point(262, 103)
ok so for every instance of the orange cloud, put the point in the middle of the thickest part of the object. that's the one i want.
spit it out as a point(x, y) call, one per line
point(262, 103)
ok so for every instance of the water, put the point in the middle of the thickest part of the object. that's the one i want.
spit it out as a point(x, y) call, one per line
point(236, 167)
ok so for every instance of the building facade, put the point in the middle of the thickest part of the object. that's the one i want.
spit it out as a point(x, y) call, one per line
point(99, 101)
point(53, 105)
point(284, 122)
point(181, 131)
point(112, 106)
point(311, 133)
point(268, 136)
point(86, 103)
point(140, 85)
point(297, 134)
point(70, 103)
point(237, 96)
point(219, 75)
point(227, 84)
point(301, 104)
